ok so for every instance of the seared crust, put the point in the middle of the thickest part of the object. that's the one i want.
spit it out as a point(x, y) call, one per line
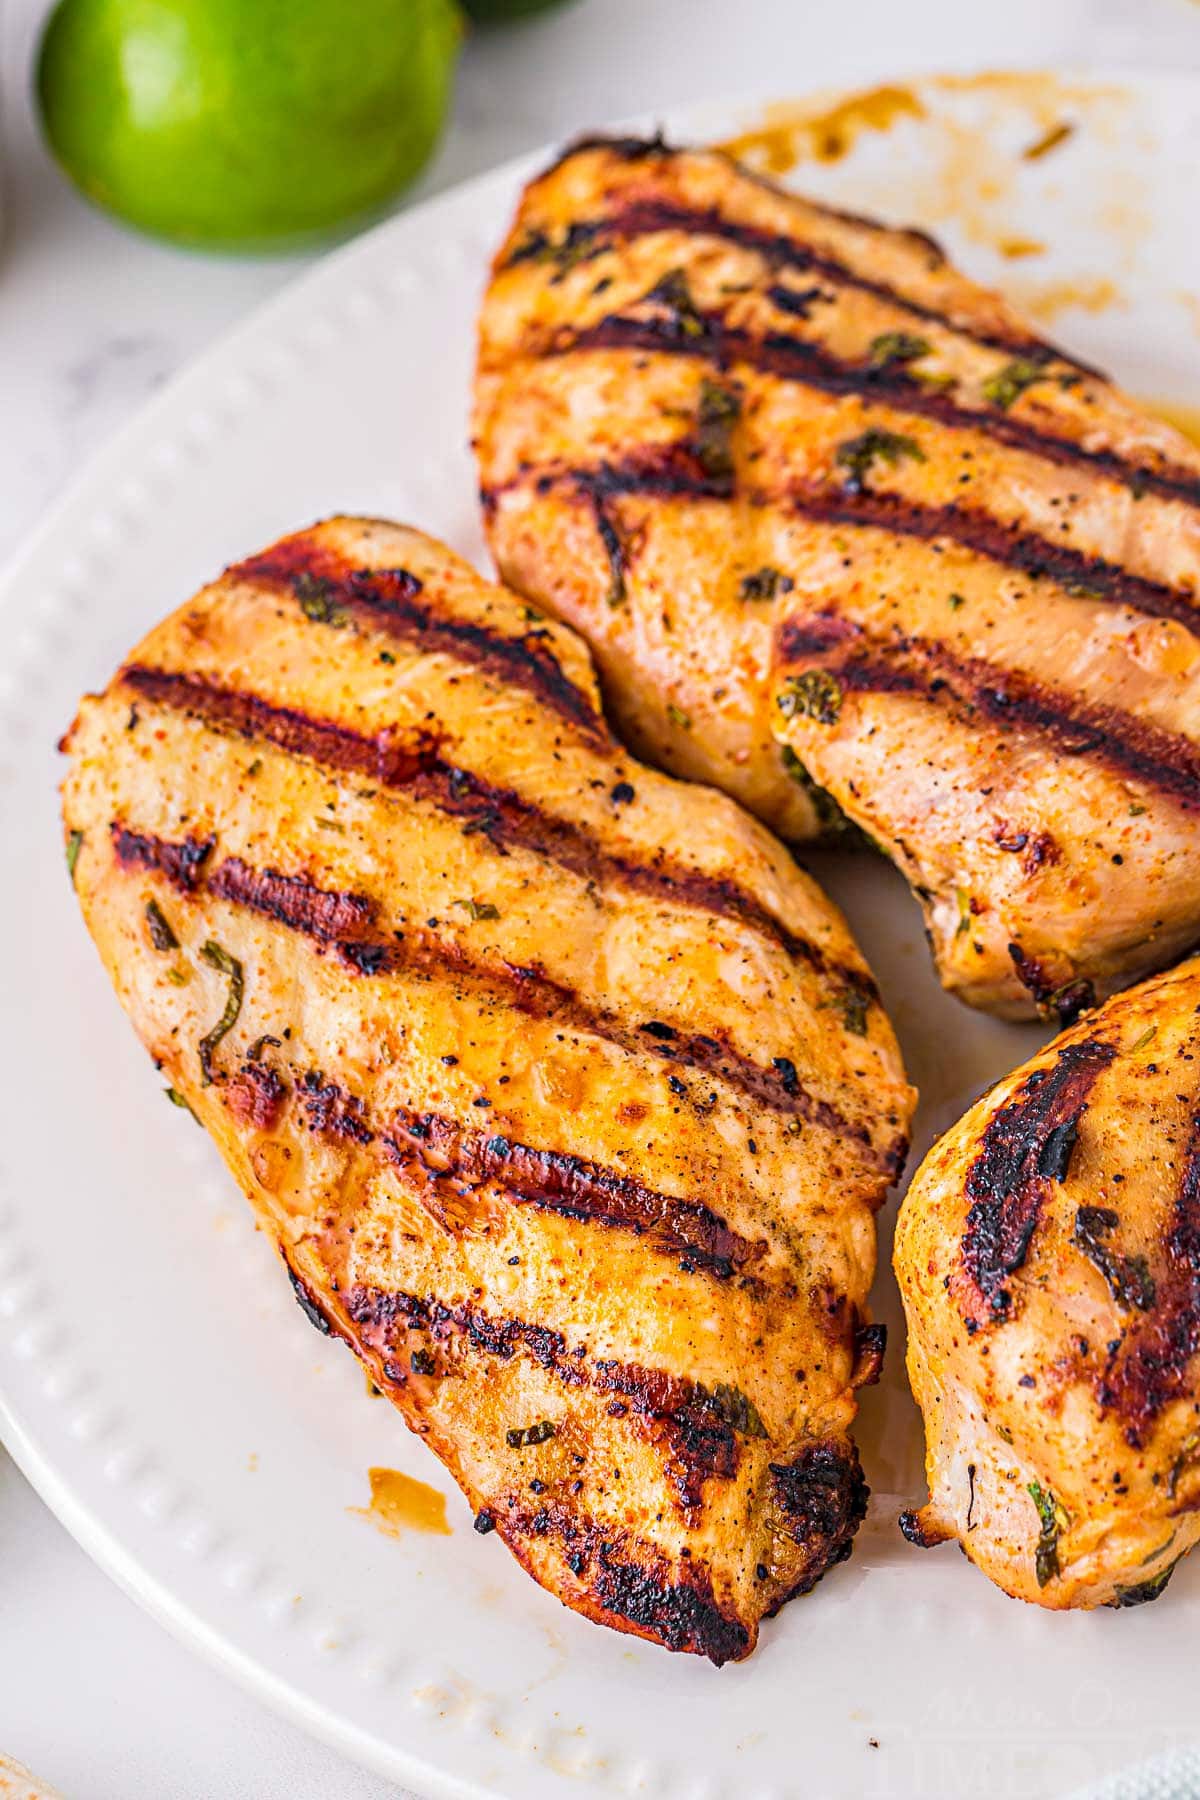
point(760, 452)
point(1048, 1253)
point(566, 1096)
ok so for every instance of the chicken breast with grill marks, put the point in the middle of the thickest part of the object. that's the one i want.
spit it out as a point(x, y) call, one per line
point(566, 1096)
point(1048, 1253)
point(848, 539)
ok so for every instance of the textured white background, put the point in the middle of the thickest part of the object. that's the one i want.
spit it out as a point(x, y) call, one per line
point(93, 1694)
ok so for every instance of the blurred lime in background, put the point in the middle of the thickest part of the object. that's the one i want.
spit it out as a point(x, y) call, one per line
point(246, 123)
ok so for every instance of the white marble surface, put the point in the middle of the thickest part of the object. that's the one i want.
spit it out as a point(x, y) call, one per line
point(92, 1693)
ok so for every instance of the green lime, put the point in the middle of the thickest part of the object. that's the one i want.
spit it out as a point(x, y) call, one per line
point(245, 123)
point(488, 12)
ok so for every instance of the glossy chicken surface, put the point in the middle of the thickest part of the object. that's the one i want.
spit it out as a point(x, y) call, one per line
point(566, 1096)
point(1048, 1253)
point(844, 534)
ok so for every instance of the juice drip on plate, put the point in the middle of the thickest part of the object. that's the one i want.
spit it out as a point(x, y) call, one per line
point(399, 1503)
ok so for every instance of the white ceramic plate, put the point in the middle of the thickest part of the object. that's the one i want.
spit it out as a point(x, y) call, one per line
point(158, 1383)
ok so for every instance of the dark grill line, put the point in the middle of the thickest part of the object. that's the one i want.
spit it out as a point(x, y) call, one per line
point(931, 672)
point(696, 1427)
point(1026, 1145)
point(1080, 574)
point(682, 1615)
point(550, 1180)
point(389, 601)
point(504, 818)
point(301, 906)
point(645, 218)
point(624, 1578)
point(181, 862)
point(793, 359)
point(576, 1188)
point(668, 473)
point(1150, 1367)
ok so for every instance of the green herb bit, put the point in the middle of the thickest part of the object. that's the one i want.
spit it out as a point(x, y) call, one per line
point(897, 347)
point(518, 1437)
point(737, 1411)
point(74, 845)
point(1129, 1279)
point(764, 584)
point(674, 293)
point(479, 909)
point(385, 656)
point(1142, 1591)
point(178, 977)
point(938, 380)
point(1147, 1037)
point(1009, 383)
point(853, 1007)
point(858, 454)
point(830, 817)
point(161, 935)
point(317, 602)
point(813, 695)
point(964, 911)
point(177, 1099)
point(678, 717)
point(575, 245)
point(719, 411)
point(956, 603)
point(614, 550)
point(1187, 1454)
point(220, 959)
point(254, 769)
point(330, 825)
point(1136, 809)
point(1054, 1520)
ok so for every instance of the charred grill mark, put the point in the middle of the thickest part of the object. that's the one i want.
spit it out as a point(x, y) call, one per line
point(380, 758)
point(308, 1302)
point(682, 1615)
point(631, 1582)
point(577, 1189)
point(700, 1432)
point(300, 905)
point(1063, 1001)
point(255, 1095)
point(1026, 1145)
point(293, 900)
point(627, 149)
point(690, 1424)
point(389, 601)
point(383, 1314)
point(1026, 552)
point(789, 358)
point(978, 690)
point(781, 251)
point(505, 818)
point(820, 1498)
point(870, 1347)
point(181, 861)
point(332, 1111)
point(673, 477)
point(1151, 1365)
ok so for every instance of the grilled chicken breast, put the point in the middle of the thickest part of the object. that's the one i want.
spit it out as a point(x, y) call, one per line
point(844, 534)
point(566, 1096)
point(1048, 1253)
